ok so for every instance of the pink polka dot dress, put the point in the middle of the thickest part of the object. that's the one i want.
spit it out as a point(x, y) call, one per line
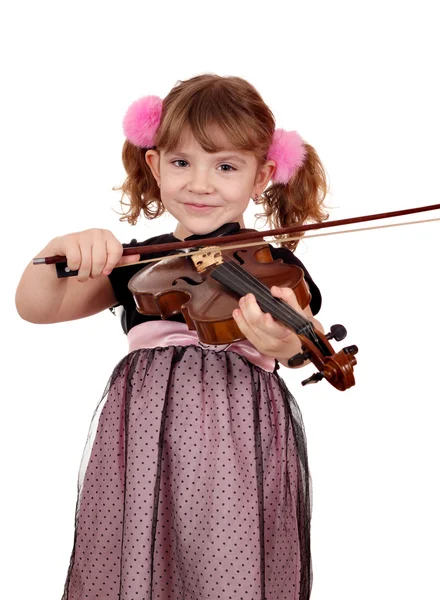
point(194, 483)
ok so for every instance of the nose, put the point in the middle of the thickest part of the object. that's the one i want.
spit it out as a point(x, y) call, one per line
point(200, 182)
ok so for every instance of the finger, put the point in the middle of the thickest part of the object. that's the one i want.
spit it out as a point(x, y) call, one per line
point(86, 262)
point(260, 328)
point(271, 327)
point(251, 311)
point(113, 251)
point(288, 295)
point(264, 324)
point(270, 330)
point(245, 328)
point(73, 254)
point(99, 257)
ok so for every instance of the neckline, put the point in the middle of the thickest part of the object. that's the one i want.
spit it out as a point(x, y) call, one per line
point(225, 229)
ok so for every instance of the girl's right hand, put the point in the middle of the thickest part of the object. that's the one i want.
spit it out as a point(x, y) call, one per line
point(93, 252)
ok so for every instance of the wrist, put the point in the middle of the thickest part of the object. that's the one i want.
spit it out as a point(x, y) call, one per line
point(293, 348)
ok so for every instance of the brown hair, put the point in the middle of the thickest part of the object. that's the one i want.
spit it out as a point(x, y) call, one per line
point(237, 109)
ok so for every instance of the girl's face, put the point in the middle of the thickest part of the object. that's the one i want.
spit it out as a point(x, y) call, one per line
point(204, 191)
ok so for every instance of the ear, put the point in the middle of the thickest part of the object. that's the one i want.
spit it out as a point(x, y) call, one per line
point(264, 175)
point(152, 158)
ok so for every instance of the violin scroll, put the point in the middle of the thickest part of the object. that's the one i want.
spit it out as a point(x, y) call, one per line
point(335, 367)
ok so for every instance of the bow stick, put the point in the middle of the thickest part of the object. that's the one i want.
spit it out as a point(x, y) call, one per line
point(48, 260)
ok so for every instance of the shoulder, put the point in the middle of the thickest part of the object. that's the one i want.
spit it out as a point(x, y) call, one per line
point(120, 276)
point(164, 238)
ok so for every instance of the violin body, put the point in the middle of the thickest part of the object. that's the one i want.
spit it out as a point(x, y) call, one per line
point(206, 287)
point(175, 286)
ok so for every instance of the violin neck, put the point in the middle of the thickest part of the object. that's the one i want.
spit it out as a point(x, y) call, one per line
point(233, 276)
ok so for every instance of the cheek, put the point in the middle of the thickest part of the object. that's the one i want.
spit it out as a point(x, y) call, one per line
point(170, 182)
point(240, 187)
point(237, 202)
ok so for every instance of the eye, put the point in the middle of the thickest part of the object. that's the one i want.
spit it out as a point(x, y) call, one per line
point(179, 162)
point(227, 168)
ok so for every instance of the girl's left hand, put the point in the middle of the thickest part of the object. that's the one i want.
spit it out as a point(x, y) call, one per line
point(267, 335)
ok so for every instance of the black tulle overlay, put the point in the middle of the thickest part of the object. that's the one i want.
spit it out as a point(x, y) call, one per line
point(194, 484)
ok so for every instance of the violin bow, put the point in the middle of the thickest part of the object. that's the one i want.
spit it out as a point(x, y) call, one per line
point(245, 237)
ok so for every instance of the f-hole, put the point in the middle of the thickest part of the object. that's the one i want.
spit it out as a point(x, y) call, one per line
point(238, 258)
point(188, 280)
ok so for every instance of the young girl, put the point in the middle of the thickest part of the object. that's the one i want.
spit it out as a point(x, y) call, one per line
point(194, 483)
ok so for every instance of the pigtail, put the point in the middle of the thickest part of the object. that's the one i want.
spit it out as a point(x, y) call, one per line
point(139, 187)
point(299, 200)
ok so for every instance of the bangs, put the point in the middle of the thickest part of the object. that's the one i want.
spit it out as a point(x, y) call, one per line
point(216, 109)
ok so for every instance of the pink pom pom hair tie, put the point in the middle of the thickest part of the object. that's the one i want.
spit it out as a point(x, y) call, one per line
point(288, 151)
point(142, 120)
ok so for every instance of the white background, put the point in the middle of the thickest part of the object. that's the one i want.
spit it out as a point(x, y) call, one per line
point(359, 81)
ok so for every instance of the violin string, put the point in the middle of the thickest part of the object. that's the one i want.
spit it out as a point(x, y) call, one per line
point(282, 240)
point(266, 306)
point(260, 290)
point(277, 307)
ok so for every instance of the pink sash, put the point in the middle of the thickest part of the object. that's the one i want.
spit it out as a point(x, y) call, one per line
point(161, 334)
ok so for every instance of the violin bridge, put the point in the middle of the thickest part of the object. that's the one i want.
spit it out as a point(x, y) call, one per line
point(206, 258)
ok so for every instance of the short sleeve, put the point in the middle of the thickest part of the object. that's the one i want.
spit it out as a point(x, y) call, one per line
point(288, 257)
point(120, 277)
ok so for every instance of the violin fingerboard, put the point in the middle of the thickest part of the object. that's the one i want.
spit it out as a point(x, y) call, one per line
point(240, 281)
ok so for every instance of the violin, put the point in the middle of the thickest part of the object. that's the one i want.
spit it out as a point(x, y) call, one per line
point(206, 286)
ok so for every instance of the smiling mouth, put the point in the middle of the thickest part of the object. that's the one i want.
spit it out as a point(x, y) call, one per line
point(199, 206)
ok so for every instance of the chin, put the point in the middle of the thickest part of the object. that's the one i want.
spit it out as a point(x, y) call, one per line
point(202, 228)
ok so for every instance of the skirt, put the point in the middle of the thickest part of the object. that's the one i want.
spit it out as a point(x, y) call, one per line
point(194, 483)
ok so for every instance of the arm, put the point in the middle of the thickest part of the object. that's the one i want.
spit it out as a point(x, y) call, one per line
point(43, 298)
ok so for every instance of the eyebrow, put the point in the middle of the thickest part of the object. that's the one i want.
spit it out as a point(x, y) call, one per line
point(233, 157)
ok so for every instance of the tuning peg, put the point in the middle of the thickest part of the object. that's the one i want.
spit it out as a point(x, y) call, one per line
point(313, 379)
point(337, 332)
point(351, 350)
point(298, 359)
